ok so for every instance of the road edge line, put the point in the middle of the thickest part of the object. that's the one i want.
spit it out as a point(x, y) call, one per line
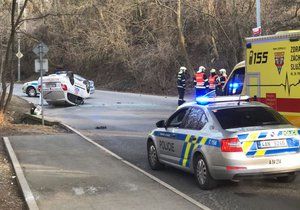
point(166, 185)
point(27, 194)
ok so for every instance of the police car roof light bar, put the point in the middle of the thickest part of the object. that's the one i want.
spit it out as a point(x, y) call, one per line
point(219, 99)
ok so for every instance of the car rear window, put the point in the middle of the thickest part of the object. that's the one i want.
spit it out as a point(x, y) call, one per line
point(248, 116)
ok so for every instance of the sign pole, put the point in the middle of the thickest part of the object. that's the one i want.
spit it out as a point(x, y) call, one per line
point(19, 58)
point(258, 19)
point(42, 89)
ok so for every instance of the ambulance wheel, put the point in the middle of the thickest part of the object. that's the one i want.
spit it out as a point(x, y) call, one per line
point(202, 175)
point(31, 92)
point(286, 179)
point(153, 156)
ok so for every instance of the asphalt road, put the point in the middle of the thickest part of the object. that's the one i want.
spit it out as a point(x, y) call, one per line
point(125, 119)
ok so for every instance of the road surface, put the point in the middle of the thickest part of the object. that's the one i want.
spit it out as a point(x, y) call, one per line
point(123, 121)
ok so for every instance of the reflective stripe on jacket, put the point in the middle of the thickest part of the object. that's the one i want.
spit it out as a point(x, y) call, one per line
point(212, 81)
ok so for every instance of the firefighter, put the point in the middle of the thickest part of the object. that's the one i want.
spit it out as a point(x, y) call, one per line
point(200, 81)
point(181, 84)
point(212, 80)
point(221, 79)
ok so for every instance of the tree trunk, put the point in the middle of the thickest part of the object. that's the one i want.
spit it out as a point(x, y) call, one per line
point(181, 38)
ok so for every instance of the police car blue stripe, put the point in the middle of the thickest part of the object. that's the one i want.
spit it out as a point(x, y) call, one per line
point(243, 136)
point(213, 142)
point(263, 135)
point(292, 142)
point(254, 146)
point(180, 136)
point(250, 153)
point(278, 151)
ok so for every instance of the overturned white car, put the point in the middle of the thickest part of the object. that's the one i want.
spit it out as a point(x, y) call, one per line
point(65, 89)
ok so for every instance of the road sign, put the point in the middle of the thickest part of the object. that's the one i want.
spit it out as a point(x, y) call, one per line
point(41, 48)
point(38, 66)
point(19, 55)
point(256, 31)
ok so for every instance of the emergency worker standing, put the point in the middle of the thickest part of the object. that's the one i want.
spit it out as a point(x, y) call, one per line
point(212, 80)
point(221, 80)
point(200, 81)
point(181, 84)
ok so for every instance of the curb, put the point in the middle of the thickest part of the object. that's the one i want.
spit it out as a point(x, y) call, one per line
point(38, 119)
point(27, 194)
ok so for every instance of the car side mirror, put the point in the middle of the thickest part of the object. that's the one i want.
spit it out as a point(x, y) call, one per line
point(161, 124)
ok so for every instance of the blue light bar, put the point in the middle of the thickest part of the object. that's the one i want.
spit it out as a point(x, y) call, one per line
point(205, 100)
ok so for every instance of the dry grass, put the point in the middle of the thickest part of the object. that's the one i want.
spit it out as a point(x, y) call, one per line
point(2, 119)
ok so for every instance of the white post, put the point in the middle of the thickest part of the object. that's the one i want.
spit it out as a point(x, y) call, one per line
point(19, 47)
point(19, 58)
point(258, 19)
point(42, 89)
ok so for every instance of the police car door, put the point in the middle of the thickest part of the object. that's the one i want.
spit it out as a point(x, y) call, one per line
point(194, 127)
point(170, 144)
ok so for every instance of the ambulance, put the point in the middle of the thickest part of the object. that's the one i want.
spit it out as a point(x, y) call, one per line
point(271, 73)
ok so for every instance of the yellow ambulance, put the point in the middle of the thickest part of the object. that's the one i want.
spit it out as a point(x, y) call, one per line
point(271, 73)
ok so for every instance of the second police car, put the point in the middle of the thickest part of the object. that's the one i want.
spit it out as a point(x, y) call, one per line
point(226, 138)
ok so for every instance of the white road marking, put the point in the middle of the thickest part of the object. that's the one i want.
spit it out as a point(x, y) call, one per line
point(183, 195)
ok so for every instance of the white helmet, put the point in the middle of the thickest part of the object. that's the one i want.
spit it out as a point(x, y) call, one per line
point(182, 68)
point(213, 71)
point(201, 69)
point(222, 71)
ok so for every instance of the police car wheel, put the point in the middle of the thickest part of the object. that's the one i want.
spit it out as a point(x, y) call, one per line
point(202, 175)
point(31, 92)
point(286, 179)
point(153, 157)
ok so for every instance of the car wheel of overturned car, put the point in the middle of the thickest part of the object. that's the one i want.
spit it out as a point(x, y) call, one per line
point(88, 86)
point(286, 179)
point(153, 157)
point(71, 77)
point(202, 175)
point(31, 92)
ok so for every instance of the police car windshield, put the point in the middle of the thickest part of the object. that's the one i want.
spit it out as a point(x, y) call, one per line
point(240, 117)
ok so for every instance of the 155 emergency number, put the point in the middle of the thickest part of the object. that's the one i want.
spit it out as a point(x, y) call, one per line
point(258, 57)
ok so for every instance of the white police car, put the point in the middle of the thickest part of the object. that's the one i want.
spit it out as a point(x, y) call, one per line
point(31, 88)
point(65, 88)
point(226, 138)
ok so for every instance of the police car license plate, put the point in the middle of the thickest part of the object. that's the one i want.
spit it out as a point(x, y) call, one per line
point(272, 143)
point(50, 85)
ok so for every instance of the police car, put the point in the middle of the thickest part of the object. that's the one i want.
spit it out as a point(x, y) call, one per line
point(226, 138)
point(31, 88)
point(65, 88)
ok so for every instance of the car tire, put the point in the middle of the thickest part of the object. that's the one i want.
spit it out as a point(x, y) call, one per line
point(202, 175)
point(31, 92)
point(286, 179)
point(153, 156)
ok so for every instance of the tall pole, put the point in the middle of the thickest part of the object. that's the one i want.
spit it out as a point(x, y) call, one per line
point(42, 89)
point(258, 19)
point(19, 47)
point(19, 58)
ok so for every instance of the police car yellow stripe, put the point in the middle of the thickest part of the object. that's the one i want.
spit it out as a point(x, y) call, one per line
point(187, 150)
point(247, 146)
point(203, 141)
point(260, 152)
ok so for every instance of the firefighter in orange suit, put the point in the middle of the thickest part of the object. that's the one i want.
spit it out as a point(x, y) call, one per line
point(212, 80)
point(200, 81)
